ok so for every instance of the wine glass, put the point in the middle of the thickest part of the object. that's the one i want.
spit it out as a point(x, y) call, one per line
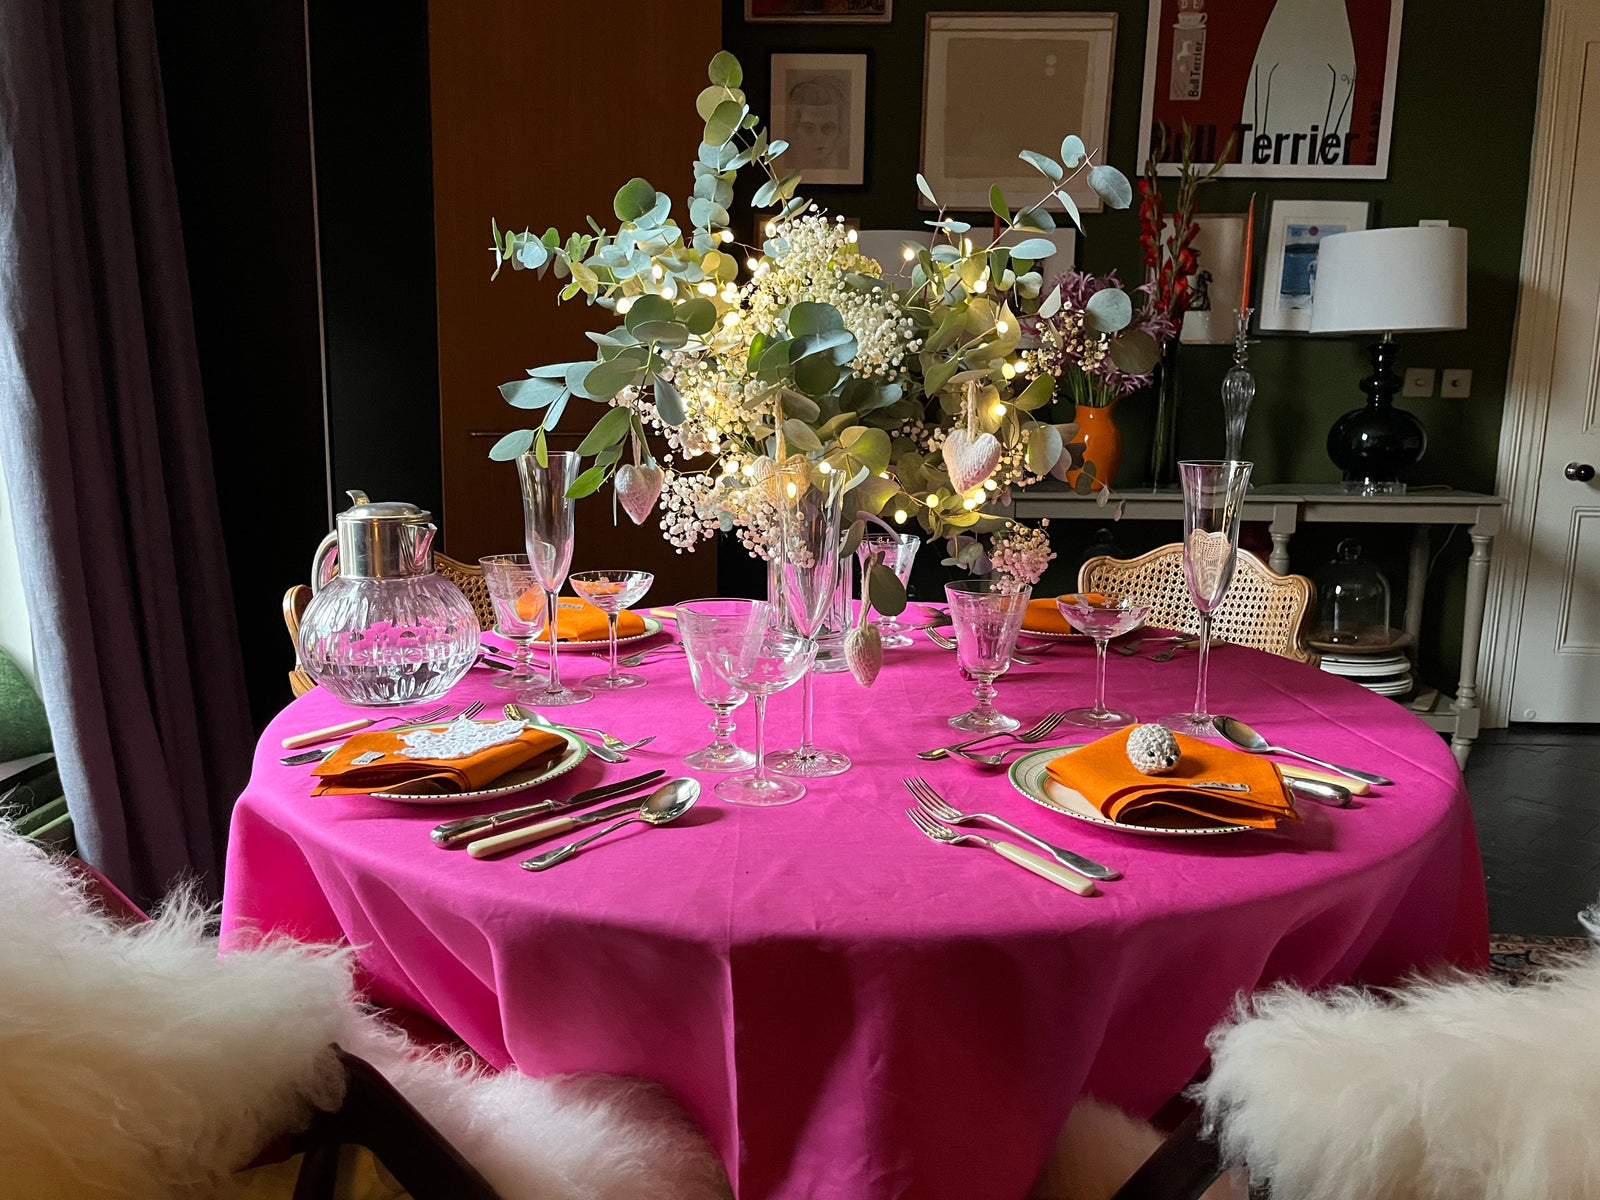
point(518, 612)
point(1102, 618)
point(611, 592)
point(547, 518)
point(705, 626)
point(1214, 491)
point(810, 501)
point(759, 662)
point(987, 614)
point(899, 551)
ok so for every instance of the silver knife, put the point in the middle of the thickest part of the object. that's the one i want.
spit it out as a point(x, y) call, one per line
point(516, 838)
point(452, 833)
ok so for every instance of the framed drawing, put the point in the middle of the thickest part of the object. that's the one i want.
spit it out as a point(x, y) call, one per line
point(1305, 86)
point(1289, 272)
point(888, 247)
point(997, 83)
point(820, 12)
point(819, 106)
point(1219, 273)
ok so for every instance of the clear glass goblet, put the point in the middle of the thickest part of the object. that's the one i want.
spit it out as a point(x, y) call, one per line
point(707, 627)
point(518, 613)
point(611, 592)
point(548, 520)
point(899, 552)
point(987, 616)
point(1102, 618)
point(810, 503)
point(764, 660)
point(1214, 492)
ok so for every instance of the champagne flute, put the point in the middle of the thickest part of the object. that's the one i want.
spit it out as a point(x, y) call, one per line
point(899, 552)
point(760, 661)
point(1214, 492)
point(987, 616)
point(1102, 618)
point(810, 502)
point(705, 627)
point(611, 592)
point(518, 612)
point(548, 520)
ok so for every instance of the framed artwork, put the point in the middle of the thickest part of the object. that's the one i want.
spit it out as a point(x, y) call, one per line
point(1306, 86)
point(888, 247)
point(1219, 273)
point(997, 83)
point(819, 106)
point(820, 12)
point(1289, 272)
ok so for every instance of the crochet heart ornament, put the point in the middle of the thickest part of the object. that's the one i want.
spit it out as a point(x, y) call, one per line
point(970, 458)
point(638, 489)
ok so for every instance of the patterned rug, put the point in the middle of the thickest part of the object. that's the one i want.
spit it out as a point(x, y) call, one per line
point(1515, 957)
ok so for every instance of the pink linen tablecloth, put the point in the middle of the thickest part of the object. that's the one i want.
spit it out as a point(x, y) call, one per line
point(848, 1009)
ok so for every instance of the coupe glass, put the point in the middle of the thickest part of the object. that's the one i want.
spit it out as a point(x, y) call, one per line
point(987, 615)
point(810, 503)
point(518, 612)
point(547, 519)
point(762, 661)
point(1213, 499)
point(899, 551)
point(611, 592)
point(1102, 618)
point(707, 627)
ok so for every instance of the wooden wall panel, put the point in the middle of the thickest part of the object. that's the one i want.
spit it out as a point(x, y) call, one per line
point(540, 112)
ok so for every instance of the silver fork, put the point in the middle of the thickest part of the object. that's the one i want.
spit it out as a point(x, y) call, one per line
point(432, 717)
point(1026, 859)
point(941, 809)
point(949, 643)
point(1036, 733)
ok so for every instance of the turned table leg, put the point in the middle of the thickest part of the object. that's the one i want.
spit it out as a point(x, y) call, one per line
point(1466, 705)
point(1417, 580)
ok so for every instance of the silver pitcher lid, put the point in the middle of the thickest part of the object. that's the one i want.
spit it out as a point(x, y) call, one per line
point(389, 539)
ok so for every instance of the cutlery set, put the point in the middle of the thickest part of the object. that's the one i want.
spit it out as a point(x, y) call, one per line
point(498, 833)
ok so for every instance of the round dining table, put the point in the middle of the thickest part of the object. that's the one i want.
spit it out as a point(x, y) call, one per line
point(847, 1008)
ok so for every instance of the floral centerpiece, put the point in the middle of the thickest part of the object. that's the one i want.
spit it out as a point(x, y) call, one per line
point(742, 354)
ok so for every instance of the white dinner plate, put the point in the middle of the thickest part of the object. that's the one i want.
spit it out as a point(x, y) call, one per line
point(1388, 665)
point(1029, 775)
point(1387, 687)
point(512, 781)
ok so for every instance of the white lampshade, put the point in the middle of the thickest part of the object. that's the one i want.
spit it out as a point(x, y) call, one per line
point(1408, 279)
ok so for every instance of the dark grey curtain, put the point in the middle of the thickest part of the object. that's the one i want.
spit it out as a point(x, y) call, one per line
point(104, 445)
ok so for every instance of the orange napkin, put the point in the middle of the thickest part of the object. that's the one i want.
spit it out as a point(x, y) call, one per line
point(580, 621)
point(1044, 617)
point(337, 775)
point(1102, 773)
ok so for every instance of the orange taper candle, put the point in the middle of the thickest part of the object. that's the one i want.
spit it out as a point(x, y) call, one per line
point(1249, 254)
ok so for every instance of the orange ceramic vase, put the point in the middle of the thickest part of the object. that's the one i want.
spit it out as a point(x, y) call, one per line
point(1102, 442)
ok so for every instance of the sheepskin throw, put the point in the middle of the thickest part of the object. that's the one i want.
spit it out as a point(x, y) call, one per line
point(137, 1064)
point(1465, 1090)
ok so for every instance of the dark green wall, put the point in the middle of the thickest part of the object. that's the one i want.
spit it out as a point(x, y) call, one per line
point(1463, 128)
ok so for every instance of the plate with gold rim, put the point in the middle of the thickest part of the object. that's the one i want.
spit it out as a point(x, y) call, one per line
point(1030, 775)
point(518, 780)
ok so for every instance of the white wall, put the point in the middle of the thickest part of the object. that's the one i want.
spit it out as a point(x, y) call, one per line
point(15, 637)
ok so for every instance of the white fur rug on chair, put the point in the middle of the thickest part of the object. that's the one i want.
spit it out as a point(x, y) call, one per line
point(1464, 1090)
point(135, 1063)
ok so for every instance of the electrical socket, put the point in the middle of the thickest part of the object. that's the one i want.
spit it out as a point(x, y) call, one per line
point(1419, 382)
point(1455, 384)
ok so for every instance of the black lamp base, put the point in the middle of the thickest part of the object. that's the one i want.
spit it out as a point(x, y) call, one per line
point(1374, 444)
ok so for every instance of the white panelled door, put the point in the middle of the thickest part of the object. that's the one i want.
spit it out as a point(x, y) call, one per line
point(1557, 672)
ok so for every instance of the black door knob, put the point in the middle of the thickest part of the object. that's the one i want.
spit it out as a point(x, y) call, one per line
point(1580, 472)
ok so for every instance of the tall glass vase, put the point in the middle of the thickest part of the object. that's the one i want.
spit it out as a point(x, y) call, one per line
point(836, 621)
point(1164, 437)
point(810, 506)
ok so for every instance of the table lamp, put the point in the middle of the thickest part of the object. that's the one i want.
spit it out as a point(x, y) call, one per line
point(1411, 279)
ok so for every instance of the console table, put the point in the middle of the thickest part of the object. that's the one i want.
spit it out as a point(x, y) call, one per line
point(1284, 507)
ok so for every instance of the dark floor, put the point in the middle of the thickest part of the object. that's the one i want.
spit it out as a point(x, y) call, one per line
point(1536, 796)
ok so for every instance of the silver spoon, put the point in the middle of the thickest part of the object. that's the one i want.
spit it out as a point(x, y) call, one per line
point(1242, 736)
point(667, 803)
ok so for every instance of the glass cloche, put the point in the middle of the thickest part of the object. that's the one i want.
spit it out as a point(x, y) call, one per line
point(1352, 601)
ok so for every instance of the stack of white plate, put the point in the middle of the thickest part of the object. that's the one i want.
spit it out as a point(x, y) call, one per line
point(1386, 674)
